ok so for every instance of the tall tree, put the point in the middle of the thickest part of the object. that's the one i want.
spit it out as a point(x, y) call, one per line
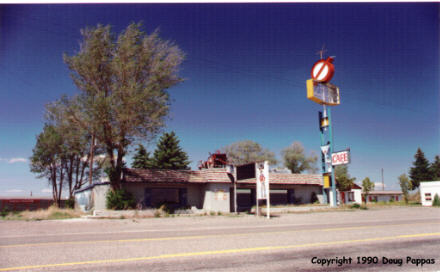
point(435, 168)
point(420, 170)
point(248, 151)
point(123, 83)
point(75, 145)
point(142, 160)
point(405, 186)
point(168, 153)
point(296, 160)
point(48, 160)
point(343, 179)
point(367, 187)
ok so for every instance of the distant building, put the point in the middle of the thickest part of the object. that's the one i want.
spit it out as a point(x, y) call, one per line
point(386, 196)
point(26, 203)
point(428, 190)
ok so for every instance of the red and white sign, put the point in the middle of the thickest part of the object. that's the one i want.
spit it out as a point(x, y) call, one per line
point(342, 157)
point(323, 70)
point(262, 176)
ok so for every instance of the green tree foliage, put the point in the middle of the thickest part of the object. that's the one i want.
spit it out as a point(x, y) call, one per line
point(367, 187)
point(247, 152)
point(343, 179)
point(123, 82)
point(405, 186)
point(296, 160)
point(142, 160)
point(120, 200)
point(76, 145)
point(436, 201)
point(435, 168)
point(168, 154)
point(47, 160)
point(420, 170)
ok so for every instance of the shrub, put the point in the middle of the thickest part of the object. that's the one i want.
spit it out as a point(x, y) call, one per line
point(355, 206)
point(70, 203)
point(314, 198)
point(436, 202)
point(156, 214)
point(4, 212)
point(167, 207)
point(120, 200)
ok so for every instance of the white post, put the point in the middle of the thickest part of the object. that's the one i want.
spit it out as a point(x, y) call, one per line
point(257, 211)
point(235, 189)
point(266, 166)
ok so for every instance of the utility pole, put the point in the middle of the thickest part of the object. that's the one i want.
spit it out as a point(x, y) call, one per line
point(383, 184)
point(92, 151)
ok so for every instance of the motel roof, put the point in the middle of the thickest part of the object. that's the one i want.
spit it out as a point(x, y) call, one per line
point(384, 193)
point(284, 178)
point(211, 175)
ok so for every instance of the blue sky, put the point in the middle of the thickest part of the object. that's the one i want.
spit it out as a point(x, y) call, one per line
point(245, 69)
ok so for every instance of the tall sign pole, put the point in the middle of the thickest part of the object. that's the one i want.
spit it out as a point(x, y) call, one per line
point(330, 131)
point(320, 91)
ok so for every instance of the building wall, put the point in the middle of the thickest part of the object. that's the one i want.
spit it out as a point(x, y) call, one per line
point(196, 195)
point(303, 193)
point(99, 196)
point(167, 193)
point(217, 197)
point(357, 195)
point(83, 200)
point(428, 191)
point(383, 198)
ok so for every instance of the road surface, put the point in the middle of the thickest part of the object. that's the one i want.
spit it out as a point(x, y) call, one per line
point(391, 239)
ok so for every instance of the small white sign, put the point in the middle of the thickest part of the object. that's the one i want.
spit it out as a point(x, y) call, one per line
point(341, 157)
point(262, 176)
point(324, 149)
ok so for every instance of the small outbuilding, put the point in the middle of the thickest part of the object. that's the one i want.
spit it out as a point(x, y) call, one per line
point(428, 190)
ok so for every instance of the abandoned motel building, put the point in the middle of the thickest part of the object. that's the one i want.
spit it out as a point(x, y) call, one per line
point(216, 187)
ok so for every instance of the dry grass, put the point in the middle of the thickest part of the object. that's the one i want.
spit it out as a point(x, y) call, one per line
point(51, 213)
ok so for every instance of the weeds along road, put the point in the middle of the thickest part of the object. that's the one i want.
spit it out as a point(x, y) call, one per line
point(291, 242)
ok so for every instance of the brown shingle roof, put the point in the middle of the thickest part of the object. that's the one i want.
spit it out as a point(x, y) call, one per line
point(214, 175)
point(176, 176)
point(384, 193)
point(282, 178)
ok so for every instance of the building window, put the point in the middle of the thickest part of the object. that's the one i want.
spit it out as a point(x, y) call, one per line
point(428, 197)
point(350, 196)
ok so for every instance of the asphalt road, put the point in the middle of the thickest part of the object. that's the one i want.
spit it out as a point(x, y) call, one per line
point(392, 239)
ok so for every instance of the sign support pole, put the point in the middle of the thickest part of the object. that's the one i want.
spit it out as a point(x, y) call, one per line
point(257, 211)
point(330, 131)
point(323, 162)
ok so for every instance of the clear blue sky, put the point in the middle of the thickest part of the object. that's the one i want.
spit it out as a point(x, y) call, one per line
point(246, 67)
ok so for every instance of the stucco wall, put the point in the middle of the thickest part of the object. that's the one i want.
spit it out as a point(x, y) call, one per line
point(196, 194)
point(217, 197)
point(303, 193)
point(99, 196)
point(433, 188)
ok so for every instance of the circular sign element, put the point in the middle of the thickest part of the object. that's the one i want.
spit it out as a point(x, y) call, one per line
point(323, 70)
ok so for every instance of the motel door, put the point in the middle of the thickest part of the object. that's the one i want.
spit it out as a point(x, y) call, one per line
point(147, 197)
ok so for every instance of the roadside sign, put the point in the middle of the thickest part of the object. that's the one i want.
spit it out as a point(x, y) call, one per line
point(262, 178)
point(323, 70)
point(323, 93)
point(341, 157)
